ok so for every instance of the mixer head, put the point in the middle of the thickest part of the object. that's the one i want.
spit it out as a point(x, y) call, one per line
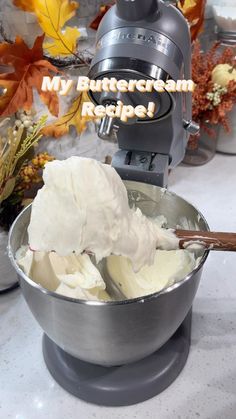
point(145, 40)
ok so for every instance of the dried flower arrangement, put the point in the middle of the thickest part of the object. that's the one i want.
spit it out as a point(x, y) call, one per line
point(16, 150)
point(215, 93)
point(27, 182)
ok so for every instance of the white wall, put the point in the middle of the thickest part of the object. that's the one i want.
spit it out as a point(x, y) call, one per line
point(231, 3)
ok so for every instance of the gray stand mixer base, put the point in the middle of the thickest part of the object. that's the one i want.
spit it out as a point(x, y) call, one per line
point(124, 385)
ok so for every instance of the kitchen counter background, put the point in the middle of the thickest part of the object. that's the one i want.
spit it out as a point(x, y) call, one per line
point(205, 389)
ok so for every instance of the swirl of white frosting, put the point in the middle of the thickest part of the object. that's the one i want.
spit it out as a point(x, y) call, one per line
point(83, 205)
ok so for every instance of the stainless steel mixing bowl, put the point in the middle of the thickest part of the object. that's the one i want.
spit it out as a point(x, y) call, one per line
point(119, 332)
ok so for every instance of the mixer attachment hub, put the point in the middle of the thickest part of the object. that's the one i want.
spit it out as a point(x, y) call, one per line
point(142, 166)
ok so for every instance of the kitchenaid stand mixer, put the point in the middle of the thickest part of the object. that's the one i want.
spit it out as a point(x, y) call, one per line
point(145, 40)
point(138, 39)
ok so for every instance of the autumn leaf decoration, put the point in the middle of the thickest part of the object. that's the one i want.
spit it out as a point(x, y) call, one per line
point(29, 68)
point(52, 16)
point(72, 117)
point(193, 10)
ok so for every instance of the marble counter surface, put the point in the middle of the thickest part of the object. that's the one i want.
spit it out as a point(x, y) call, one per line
point(205, 389)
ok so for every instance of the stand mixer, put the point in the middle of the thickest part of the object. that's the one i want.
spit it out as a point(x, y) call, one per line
point(145, 40)
point(139, 40)
point(124, 352)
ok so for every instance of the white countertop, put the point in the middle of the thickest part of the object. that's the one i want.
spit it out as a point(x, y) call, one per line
point(205, 389)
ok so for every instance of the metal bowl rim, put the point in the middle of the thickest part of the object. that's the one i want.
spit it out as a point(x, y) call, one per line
point(142, 299)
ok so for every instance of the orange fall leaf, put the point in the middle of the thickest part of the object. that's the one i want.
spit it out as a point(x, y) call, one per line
point(29, 69)
point(193, 11)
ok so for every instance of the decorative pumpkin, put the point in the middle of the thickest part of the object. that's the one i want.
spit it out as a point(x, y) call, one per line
point(223, 74)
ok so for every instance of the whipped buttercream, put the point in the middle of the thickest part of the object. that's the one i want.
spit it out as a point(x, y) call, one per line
point(168, 267)
point(71, 276)
point(77, 277)
point(83, 206)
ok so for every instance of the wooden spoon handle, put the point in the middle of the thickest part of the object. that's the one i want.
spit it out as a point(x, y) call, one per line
point(210, 240)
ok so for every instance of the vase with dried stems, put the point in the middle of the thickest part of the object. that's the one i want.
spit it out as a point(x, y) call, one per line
point(212, 101)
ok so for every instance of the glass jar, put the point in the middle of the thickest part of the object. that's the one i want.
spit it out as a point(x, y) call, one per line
point(209, 33)
point(227, 39)
point(227, 141)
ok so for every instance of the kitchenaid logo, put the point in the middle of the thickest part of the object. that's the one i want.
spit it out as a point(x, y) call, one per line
point(149, 39)
point(136, 35)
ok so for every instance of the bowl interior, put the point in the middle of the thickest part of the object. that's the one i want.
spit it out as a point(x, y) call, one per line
point(152, 201)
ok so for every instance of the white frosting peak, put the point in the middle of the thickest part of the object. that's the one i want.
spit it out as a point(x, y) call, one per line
point(84, 206)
